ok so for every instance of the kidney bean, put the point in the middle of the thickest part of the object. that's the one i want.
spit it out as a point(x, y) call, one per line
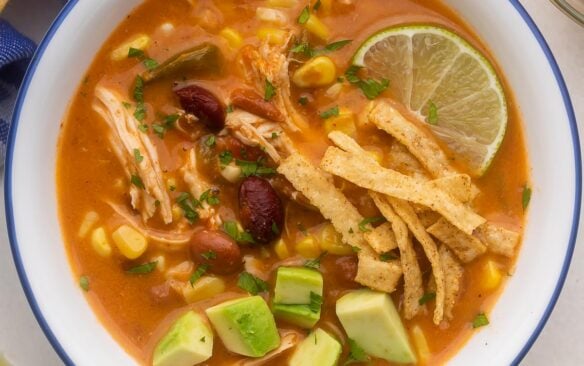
point(203, 104)
point(346, 270)
point(217, 250)
point(260, 209)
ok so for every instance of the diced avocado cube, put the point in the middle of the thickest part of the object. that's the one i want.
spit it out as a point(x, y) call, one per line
point(188, 342)
point(319, 348)
point(294, 285)
point(246, 326)
point(372, 321)
point(300, 315)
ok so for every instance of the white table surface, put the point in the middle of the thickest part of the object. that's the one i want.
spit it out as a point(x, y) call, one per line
point(23, 343)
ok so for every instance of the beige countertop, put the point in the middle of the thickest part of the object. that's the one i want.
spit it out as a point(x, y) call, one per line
point(24, 344)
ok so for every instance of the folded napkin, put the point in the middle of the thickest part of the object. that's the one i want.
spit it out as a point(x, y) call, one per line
point(15, 53)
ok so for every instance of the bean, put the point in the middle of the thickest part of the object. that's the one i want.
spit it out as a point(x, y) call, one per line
point(217, 250)
point(260, 209)
point(203, 104)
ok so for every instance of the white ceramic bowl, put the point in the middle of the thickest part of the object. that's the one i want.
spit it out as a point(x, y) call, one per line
point(64, 56)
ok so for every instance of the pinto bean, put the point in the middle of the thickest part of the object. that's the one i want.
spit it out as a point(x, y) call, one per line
point(203, 104)
point(217, 250)
point(260, 209)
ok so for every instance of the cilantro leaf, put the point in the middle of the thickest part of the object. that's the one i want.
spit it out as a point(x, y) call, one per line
point(428, 296)
point(84, 283)
point(432, 114)
point(135, 53)
point(315, 263)
point(270, 91)
point(372, 88)
point(304, 16)
point(137, 181)
point(525, 197)
point(303, 100)
point(335, 46)
point(231, 229)
point(369, 220)
point(210, 141)
point(316, 5)
point(138, 156)
point(387, 256)
point(480, 321)
point(315, 302)
point(210, 197)
point(331, 112)
point(150, 63)
point(225, 157)
point(187, 203)
point(356, 353)
point(143, 268)
point(209, 255)
point(251, 283)
point(199, 272)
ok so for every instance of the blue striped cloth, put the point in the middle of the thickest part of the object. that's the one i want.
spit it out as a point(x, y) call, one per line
point(15, 53)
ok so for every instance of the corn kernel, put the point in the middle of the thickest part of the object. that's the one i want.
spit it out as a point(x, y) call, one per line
point(177, 212)
point(99, 242)
point(282, 3)
point(140, 42)
point(232, 37)
point(308, 247)
point(171, 184)
point(181, 271)
point(331, 242)
point(88, 222)
point(206, 287)
point(344, 122)
point(281, 249)
point(319, 71)
point(130, 242)
point(160, 262)
point(272, 35)
point(421, 343)
point(318, 28)
point(492, 275)
point(273, 16)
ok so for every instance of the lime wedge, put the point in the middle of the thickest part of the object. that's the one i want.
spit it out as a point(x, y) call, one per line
point(445, 81)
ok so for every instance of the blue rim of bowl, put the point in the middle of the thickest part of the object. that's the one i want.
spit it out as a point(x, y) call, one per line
point(10, 152)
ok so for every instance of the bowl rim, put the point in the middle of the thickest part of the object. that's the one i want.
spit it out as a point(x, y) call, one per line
point(68, 7)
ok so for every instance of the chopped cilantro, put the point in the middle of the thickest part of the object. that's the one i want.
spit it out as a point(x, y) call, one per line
point(150, 63)
point(84, 283)
point(270, 91)
point(137, 181)
point(356, 353)
point(229, 108)
point(139, 89)
point(274, 135)
point(168, 123)
point(315, 263)
point(225, 157)
point(428, 296)
point(480, 321)
point(251, 284)
point(127, 105)
point(304, 16)
point(199, 272)
point(210, 197)
point(303, 100)
point(351, 74)
point(209, 255)
point(143, 268)
point(309, 51)
point(210, 141)
point(275, 228)
point(187, 203)
point(387, 256)
point(432, 114)
point(331, 112)
point(143, 127)
point(337, 45)
point(315, 302)
point(135, 53)
point(138, 156)
point(316, 5)
point(355, 249)
point(249, 168)
point(525, 197)
point(231, 229)
point(140, 112)
point(370, 88)
point(369, 220)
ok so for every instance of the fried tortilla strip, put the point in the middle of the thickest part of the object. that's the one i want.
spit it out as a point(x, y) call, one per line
point(401, 159)
point(413, 285)
point(458, 186)
point(322, 193)
point(466, 247)
point(422, 146)
point(427, 217)
point(378, 275)
point(453, 272)
point(366, 173)
point(382, 238)
point(498, 239)
point(408, 215)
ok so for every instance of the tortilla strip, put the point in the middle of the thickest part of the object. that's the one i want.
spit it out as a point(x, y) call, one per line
point(381, 239)
point(407, 213)
point(378, 275)
point(427, 217)
point(413, 284)
point(401, 159)
point(453, 272)
point(322, 193)
point(498, 239)
point(366, 173)
point(458, 186)
point(466, 247)
point(423, 147)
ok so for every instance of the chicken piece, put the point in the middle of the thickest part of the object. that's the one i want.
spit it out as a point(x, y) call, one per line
point(269, 64)
point(137, 155)
point(197, 186)
point(253, 130)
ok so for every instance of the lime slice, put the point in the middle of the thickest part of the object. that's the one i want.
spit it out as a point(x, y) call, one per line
point(447, 83)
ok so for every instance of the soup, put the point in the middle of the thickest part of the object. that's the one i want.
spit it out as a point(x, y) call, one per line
point(281, 182)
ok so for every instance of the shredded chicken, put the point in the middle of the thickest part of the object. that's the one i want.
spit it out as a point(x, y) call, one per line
point(128, 142)
point(269, 64)
point(197, 186)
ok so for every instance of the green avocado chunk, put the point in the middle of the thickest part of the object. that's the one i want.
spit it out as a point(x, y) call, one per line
point(246, 326)
point(294, 285)
point(372, 321)
point(300, 315)
point(319, 348)
point(188, 342)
